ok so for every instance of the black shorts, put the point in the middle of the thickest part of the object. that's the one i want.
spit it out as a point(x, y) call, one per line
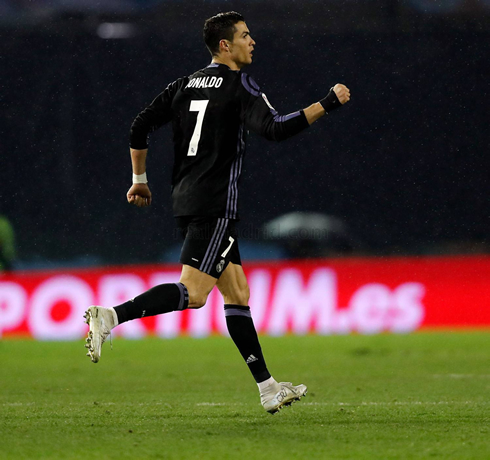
point(210, 243)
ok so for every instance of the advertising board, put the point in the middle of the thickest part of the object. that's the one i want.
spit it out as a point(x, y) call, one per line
point(339, 296)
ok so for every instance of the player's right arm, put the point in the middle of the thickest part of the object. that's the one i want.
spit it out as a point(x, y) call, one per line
point(158, 113)
point(139, 194)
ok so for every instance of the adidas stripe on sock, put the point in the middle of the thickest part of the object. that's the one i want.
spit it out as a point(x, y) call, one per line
point(242, 331)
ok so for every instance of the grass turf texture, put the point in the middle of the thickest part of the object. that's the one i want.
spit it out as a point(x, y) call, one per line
point(387, 396)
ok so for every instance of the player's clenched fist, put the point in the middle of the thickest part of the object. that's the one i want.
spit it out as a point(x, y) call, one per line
point(336, 97)
point(139, 195)
point(342, 93)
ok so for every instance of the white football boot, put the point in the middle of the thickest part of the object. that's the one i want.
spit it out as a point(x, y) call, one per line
point(100, 320)
point(281, 394)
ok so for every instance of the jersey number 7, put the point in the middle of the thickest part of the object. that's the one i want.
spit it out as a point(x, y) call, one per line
point(200, 108)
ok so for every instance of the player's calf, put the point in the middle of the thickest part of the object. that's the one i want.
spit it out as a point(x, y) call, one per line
point(197, 300)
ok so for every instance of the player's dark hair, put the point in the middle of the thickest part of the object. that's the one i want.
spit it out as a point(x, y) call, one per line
point(219, 27)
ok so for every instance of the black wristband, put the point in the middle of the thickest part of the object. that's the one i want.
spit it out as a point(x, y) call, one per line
point(330, 101)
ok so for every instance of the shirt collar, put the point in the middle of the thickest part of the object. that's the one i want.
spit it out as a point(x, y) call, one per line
point(215, 65)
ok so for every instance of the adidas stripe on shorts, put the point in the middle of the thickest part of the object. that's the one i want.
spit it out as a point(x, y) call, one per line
point(210, 243)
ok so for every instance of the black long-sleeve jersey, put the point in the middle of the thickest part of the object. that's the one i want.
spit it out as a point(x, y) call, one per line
point(211, 111)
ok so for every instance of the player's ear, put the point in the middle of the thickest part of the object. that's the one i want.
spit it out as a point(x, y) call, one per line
point(224, 45)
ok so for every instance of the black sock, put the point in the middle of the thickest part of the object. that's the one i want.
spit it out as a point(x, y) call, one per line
point(242, 331)
point(160, 299)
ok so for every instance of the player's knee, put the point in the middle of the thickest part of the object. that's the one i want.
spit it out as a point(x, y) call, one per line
point(245, 295)
point(238, 296)
point(197, 299)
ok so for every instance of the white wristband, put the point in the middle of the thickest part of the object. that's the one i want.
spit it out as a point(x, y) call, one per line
point(140, 178)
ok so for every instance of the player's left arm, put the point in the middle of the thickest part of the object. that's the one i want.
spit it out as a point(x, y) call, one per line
point(337, 96)
point(259, 115)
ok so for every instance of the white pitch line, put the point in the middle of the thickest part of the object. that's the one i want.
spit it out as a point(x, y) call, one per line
point(462, 376)
point(365, 403)
point(224, 404)
point(18, 404)
point(393, 403)
point(218, 404)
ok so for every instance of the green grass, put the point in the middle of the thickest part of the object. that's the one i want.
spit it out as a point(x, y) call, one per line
point(370, 397)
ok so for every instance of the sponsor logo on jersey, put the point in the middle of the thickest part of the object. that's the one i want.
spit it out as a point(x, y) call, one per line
point(219, 267)
point(205, 82)
point(267, 102)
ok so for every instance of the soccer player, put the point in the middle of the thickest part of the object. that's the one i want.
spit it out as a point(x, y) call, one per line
point(211, 112)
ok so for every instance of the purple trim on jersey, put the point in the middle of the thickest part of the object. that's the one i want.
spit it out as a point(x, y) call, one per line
point(241, 139)
point(250, 85)
point(235, 204)
point(236, 169)
point(232, 189)
point(253, 83)
point(213, 64)
point(282, 118)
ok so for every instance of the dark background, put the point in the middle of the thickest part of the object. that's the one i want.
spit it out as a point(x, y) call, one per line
point(405, 164)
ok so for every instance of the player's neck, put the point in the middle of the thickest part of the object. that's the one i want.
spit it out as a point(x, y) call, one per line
point(228, 62)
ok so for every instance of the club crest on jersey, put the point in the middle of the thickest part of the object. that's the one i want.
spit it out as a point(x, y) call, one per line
point(267, 102)
point(219, 267)
point(205, 82)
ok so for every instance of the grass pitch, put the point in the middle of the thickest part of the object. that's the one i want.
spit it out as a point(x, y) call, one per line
point(370, 397)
